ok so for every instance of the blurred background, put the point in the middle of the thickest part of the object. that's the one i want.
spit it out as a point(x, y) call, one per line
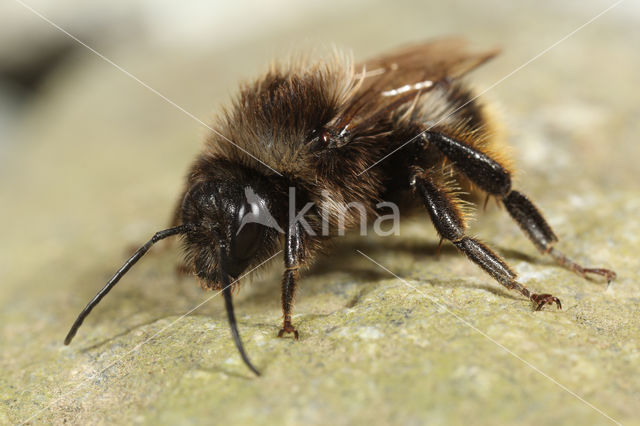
point(91, 162)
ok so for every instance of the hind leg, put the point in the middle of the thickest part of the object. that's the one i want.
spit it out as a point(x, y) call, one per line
point(530, 220)
point(495, 180)
point(448, 220)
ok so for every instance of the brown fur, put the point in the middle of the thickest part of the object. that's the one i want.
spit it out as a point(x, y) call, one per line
point(278, 118)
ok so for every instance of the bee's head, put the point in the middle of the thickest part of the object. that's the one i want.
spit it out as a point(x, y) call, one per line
point(228, 223)
point(234, 223)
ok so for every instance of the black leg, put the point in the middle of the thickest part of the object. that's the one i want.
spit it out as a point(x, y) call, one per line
point(532, 223)
point(480, 168)
point(495, 180)
point(449, 222)
point(292, 252)
point(530, 220)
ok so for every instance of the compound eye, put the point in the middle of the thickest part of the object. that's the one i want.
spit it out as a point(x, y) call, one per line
point(246, 242)
point(250, 219)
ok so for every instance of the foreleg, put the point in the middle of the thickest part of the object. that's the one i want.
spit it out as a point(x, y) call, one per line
point(292, 252)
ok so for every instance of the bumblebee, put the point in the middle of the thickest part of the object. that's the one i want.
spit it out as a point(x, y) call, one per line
point(403, 127)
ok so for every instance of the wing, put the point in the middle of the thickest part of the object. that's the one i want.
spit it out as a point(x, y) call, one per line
point(397, 78)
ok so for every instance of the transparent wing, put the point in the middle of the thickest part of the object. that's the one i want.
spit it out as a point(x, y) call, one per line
point(397, 78)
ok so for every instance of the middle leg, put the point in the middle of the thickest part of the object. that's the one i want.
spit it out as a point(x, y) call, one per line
point(448, 220)
point(495, 180)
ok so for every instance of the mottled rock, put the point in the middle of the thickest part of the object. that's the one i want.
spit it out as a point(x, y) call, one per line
point(97, 164)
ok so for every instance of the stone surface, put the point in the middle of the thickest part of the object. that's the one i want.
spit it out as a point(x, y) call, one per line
point(97, 163)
